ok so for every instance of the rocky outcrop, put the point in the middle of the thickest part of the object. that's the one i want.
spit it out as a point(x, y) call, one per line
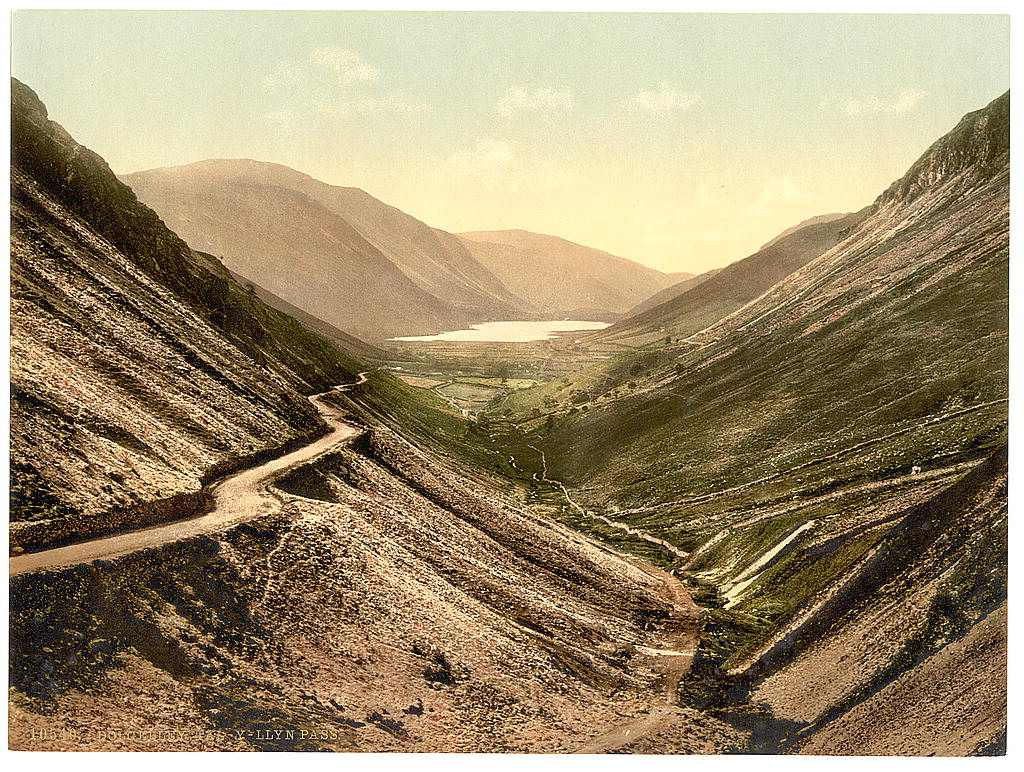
point(978, 148)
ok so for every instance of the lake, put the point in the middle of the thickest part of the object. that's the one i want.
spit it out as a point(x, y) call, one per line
point(509, 332)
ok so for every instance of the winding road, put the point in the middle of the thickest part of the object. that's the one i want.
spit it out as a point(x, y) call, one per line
point(247, 494)
point(236, 498)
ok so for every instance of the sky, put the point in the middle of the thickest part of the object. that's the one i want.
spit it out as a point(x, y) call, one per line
point(681, 141)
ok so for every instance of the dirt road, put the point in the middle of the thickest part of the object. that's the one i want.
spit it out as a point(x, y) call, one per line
point(672, 663)
point(236, 498)
point(677, 641)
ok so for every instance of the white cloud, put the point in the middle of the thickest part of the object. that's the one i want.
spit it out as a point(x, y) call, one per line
point(498, 164)
point(663, 102)
point(347, 66)
point(486, 154)
point(333, 82)
point(895, 104)
point(779, 190)
point(520, 99)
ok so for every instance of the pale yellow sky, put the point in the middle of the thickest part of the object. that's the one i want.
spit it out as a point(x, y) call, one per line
point(681, 141)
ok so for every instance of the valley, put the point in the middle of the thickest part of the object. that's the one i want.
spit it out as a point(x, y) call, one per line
point(294, 471)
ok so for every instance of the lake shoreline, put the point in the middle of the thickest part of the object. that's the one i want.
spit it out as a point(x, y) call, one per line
point(507, 332)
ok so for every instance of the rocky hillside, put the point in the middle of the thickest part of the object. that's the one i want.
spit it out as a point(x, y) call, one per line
point(336, 252)
point(379, 599)
point(138, 367)
point(824, 464)
point(390, 605)
point(563, 279)
point(976, 150)
point(909, 651)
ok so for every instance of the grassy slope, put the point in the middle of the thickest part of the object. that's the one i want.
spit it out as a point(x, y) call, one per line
point(736, 284)
point(351, 345)
point(811, 405)
point(423, 417)
point(894, 328)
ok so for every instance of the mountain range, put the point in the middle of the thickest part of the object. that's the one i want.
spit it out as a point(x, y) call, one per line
point(368, 597)
point(829, 450)
point(369, 268)
point(565, 279)
point(867, 332)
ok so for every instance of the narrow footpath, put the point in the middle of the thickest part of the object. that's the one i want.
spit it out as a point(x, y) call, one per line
point(679, 638)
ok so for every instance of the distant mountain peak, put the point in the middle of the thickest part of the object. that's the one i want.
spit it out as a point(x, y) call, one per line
point(387, 272)
point(562, 277)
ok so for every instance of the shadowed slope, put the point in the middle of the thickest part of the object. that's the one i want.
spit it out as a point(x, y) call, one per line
point(670, 293)
point(733, 286)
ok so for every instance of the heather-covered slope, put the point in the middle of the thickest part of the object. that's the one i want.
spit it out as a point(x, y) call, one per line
point(138, 367)
point(391, 605)
point(561, 278)
point(335, 252)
